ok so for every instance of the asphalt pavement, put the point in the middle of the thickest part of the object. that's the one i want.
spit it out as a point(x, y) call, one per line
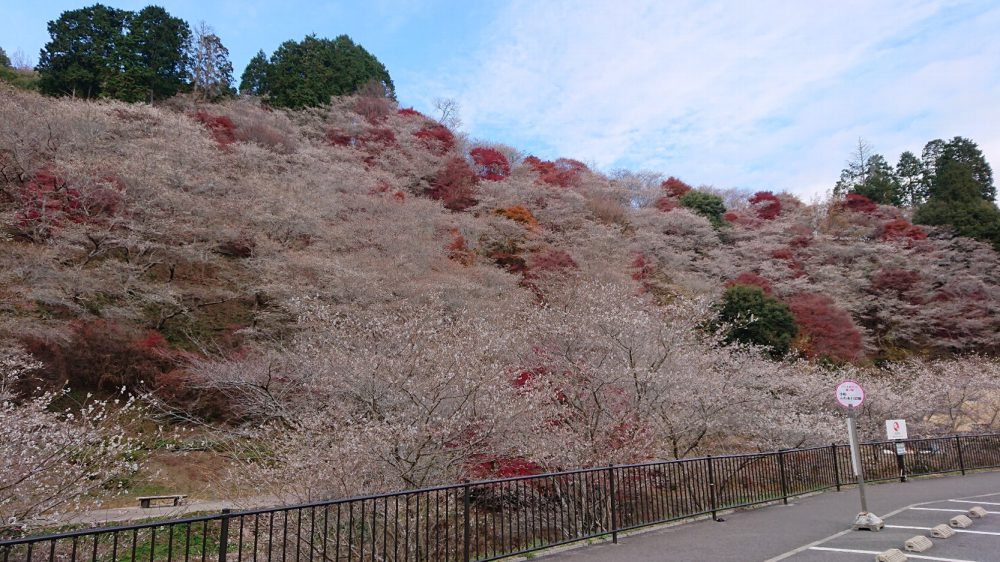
point(817, 528)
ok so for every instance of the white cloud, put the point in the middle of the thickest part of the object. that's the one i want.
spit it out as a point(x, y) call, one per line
point(759, 95)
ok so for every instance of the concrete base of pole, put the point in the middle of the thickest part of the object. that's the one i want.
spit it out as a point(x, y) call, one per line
point(868, 521)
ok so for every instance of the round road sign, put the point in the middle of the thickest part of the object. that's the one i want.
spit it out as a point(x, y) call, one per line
point(850, 393)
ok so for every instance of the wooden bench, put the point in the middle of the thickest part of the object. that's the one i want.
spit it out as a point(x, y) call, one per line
point(147, 501)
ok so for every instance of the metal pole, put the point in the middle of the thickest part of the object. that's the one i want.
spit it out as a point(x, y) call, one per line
point(224, 536)
point(614, 504)
point(784, 478)
point(961, 460)
point(836, 466)
point(466, 530)
point(852, 432)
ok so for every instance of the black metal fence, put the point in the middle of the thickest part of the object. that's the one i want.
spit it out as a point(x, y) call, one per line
point(493, 519)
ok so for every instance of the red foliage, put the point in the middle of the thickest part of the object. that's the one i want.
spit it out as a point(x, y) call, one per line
point(336, 137)
point(437, 138)
point(222, 128)
point(46, 202)
point(825, 331)
point(102, 355)
point(505, 467)
point(728, 217)
point(675, 187)
point(753, 280)
point(491, 164)
point(553, 260)
point(896, 280)
point(767, 205)
point(458, 250)
point(641, 267)
point(786, 255)
point(564, 172)
point(455, 185)
point(901, 229)
point(519, 213)
point(379, 136)
point(666, 204)
point(409, 112)
point(858, 203)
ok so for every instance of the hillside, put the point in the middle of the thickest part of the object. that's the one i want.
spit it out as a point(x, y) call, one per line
point(367, 300)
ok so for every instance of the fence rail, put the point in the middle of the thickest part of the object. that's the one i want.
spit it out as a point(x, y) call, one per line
point(493, 519)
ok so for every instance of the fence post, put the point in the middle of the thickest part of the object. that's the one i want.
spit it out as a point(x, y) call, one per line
point(784, 479)
point(961, 459)
point(224, 536)
point(614, 504)
point(836, 465)
point(466, 531)
point(711, 488)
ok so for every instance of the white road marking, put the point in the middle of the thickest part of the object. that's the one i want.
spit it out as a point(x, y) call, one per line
point(956, 530)
point(975, 502)
point(951, 510)
point(908, 555)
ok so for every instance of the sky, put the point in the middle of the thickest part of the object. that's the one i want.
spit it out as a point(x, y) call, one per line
point(763, 95)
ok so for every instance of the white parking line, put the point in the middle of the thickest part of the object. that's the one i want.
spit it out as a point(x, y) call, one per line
point(908, 555)
point(956, 530)
point(951, 510)
point(975, 502)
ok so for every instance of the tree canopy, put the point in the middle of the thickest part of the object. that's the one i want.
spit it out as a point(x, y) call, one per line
point(309, 72)
point(105, 52)
point(757, 318)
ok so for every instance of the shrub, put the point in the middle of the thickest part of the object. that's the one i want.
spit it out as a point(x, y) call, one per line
point(564, 172)
point(491, 164)
point(675, 187)
point(666, 204)
point(756, 318)
point(454, 185)
point(825, 331)
point(222, 128)
point(901, 229)
point(705, 204)
point(373, 108)
point(458, 251)
point(409, 112)
point(767, 205)
point(337, 137)
point(520, 214)
point(553, 261)
point(436, 138)
point(895, 280)
point(858, 203)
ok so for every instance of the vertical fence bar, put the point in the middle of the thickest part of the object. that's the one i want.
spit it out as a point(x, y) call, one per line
point(614, 502)
point(711, 489)
point(961, 460)
point(466, 528)
point(836, 466)
point(784, 478)
point(223, 536)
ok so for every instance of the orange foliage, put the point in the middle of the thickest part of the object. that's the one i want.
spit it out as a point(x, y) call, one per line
point(520, 214)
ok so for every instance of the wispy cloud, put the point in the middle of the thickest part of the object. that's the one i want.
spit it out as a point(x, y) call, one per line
point(759, 95)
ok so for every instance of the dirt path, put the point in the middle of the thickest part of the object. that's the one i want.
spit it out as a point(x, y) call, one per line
point(100, 517)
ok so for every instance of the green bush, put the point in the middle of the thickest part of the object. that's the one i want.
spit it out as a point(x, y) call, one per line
point(758, 319)
point(705, 204)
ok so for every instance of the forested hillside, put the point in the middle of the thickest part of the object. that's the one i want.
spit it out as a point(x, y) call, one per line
point(354, 297)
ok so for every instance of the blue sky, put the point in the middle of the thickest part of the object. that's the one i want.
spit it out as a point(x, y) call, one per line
point(755, 95)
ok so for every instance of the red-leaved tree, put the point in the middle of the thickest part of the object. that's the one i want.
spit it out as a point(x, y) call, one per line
point(767, 205)
point(825, 331)
point(455, 185)
point(491, 164)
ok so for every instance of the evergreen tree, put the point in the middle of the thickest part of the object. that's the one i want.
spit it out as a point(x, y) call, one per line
point(4, 60)
point(254, 79)
point(909, 174)
point(757, 318)
point(707, 205)
point(155, 55)
point(83, 51)
point(856, 172)
point(957, 200)
point(211, 73)
point(308, 73)
point(879, 182)
point(967, 152)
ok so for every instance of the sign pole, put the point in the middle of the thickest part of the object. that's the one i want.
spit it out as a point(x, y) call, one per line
point(852, 434)
point(851, 396)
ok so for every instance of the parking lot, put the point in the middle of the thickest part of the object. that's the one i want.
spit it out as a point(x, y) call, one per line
point(817, 528)
point(978, 543)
